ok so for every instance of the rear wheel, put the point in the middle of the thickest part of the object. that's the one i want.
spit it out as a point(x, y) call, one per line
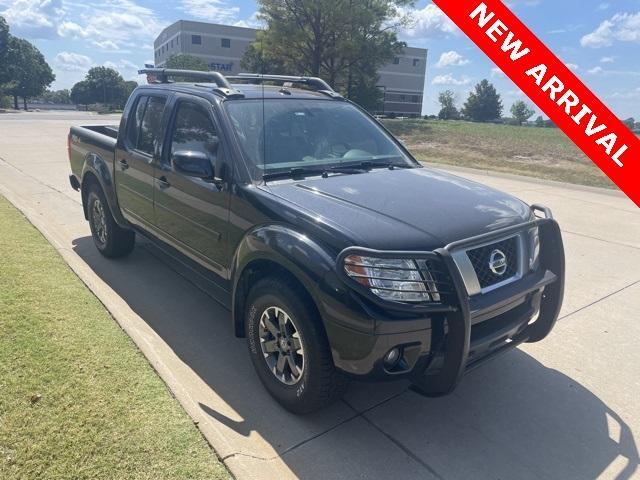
point(289, 348)
point(110, 239)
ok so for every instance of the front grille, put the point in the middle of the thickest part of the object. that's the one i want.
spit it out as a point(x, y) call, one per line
point(481, 257)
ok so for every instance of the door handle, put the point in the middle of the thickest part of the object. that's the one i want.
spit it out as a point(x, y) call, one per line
point(123, 164)
point(163, 183)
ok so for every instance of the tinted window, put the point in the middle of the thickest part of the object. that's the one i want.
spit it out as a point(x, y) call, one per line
point(281, 134)
point(396, 61)
point(226, 43)
point(150, 128)
point(134, 122)
point(193, 130)
point(416, 62)
point(196, 39)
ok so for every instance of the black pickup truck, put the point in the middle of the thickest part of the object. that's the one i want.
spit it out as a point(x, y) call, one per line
point(337, 253)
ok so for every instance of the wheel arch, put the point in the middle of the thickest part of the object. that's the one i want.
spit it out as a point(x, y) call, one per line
point(277, 250)
point(97, 172)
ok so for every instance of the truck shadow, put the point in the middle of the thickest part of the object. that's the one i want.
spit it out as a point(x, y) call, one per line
point(513, 418)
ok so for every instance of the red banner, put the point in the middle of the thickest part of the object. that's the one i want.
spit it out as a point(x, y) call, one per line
point(553, 87)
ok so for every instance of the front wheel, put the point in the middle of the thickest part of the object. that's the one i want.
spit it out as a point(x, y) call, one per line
point(110, 239)
point(289, 348)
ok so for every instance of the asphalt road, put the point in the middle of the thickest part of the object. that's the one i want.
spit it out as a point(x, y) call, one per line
point(566, 408)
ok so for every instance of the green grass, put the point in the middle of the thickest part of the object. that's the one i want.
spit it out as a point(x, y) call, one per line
point(537, 152)
point(77, 398)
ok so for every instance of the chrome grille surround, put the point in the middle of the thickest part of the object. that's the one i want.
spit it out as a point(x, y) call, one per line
point(475, 279)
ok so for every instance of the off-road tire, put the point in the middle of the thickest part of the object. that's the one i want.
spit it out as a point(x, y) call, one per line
point(320, 383)
point(110, 239)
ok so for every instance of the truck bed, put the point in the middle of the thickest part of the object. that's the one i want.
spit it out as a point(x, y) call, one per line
point(99, 140)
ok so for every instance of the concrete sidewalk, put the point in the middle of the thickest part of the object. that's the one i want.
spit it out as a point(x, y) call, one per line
point(566, 408)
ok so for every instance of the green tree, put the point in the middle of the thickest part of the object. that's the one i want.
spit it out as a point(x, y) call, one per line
point(4, 70)
point(129, 87)
point(449, 111)
point(183, 61)
point(343, 41)
point(82, 93)
point(630, 123)
point(521, 112)
point(102, 85)
point(637, 127)
point(29, 73)
point(484, 103)
point(540, 121)
point(107, 85)
point(257, 59)
point(4, 48)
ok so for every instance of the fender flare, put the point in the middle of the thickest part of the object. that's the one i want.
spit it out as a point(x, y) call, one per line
point(311, 264)
point(95, 168)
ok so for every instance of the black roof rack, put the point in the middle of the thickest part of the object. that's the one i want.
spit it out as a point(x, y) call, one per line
point(315, 83)
point(162, 75)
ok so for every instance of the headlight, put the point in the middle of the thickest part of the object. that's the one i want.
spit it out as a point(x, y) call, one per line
point(398, 280)
point(534, 249)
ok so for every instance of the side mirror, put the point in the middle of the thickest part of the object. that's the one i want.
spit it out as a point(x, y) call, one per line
point(193, 164)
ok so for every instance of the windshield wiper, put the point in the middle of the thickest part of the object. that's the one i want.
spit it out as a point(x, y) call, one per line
point(369, 165)
point(361, 167)
point(307, 172)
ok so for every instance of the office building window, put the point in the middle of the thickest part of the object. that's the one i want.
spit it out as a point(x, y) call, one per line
point(396, 61)
point(196, 39)
point(226, 43)
point(171, 43)
point(402, 98)
point(414, 99)
point(416, 62)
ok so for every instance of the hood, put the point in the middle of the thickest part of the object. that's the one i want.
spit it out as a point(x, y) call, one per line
point(414, 209)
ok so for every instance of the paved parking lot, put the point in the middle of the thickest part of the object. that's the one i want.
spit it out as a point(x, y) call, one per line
point(566, 408)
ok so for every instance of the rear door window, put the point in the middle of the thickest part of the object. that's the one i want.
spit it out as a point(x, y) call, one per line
point(151, 125)
point(133, 126)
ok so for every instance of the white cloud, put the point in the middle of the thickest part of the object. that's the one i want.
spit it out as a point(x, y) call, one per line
point(212, 10)
point(603, 6)
point(572, 66)
point(496, 72)
point(114, 21)
point(72, 62)
point(607, 60)
point(428, 22)
point(107, 46)
point(449, 79)
point(127, 65)
point(32, 18)
point(451, 59)
point(596, 70)
point(110, 64)
point(71, 30)
point(623, 27)
point(628, 95)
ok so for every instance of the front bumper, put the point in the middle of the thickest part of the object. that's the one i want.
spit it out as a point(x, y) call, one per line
point(441, 342)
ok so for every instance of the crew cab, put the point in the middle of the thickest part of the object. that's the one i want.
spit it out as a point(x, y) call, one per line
point(337, 253)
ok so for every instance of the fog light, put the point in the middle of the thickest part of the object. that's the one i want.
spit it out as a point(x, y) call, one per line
point(392, 358)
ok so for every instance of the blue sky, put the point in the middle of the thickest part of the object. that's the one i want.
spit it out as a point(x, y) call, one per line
point(599, 39)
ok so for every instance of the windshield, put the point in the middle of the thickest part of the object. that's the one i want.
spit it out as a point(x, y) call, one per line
point(280, 135)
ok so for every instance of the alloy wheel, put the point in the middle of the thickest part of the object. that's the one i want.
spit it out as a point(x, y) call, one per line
point(99, 221)
point(281, 345)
